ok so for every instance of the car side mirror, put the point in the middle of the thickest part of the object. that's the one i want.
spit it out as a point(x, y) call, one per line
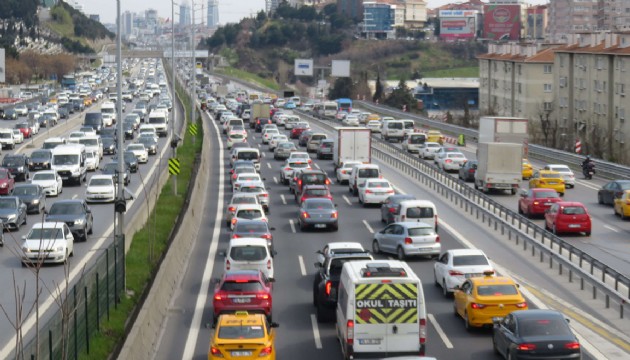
point(271, 280)
point(216, 281)
point(274, 325)
point(23, 237)
point(319, 252)
point(89, 211)
point(274, 253)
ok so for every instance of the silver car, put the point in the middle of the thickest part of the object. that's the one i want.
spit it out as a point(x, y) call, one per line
point(318, 213)
point(283, 150)
point(407, 239)
point(238, 199)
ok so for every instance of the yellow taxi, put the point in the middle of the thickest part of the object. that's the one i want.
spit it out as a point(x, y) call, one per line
point(372, 117)
point(547, 179)
point(528, 169)
point(435, 136)
point(87, 101)
point(243, 336)
point(483, 300)
point(622, 205)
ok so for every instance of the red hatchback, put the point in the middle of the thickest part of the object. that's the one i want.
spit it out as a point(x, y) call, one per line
point(25, 129)
point(7, 182)
point(298, 130)
point(568, 217)
point(536, 201)
point(242, 290)
point(313, 191)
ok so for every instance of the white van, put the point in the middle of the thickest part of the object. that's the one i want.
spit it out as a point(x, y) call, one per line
point(412, 142)
point(358, 175)
point(159, 120)
point(381, 310)
point(417, 210)
point(109, 107)
point(249, 254)
point(93, 143)
point(7, 140)
point(251, 154)
point(69, 162)
point(396, 129)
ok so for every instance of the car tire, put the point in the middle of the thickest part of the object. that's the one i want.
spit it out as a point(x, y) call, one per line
point(376, 249)
point(599, 199)
point(445, 291)
point(622, 215)
point(467, 323)
point(494, 346)
point(520, 211)
point(400, 254)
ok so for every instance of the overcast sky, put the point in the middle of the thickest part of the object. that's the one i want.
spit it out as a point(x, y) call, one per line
point(229, 10)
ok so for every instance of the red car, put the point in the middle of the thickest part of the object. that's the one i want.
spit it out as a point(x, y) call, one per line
point(248, 290)
point(313, 191)
point(297, 131)
point(536, 201)
point(568, 217)
point(24, 129)
point(7, 182)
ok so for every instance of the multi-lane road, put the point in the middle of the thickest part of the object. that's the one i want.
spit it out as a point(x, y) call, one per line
point(186, 333)
point(85, 253)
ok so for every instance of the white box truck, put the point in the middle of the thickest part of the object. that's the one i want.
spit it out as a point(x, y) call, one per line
point(502, 129)
point(352, 144)
point(259, 110)
point(498, 167)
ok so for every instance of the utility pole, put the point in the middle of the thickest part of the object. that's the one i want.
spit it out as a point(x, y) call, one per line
point(173, 94)
point(194, 64)
point(120, 205)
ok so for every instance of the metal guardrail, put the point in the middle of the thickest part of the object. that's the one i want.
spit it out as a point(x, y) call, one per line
point(604, 168)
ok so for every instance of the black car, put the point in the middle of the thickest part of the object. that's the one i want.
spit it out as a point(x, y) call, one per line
point(254, 229)
point(612, 190)
point(10, 114)
point(12, 212)
point(109, 132)
point(40, 160)
point(18, 166)
point(63, 112)
point(109, 146)
point(390, 207)
point(149, 143)
point(535, 334)
point(468, 170)
point(75, 213)
point(112, 169)
point(129, 128)
point(78, 105)
point(33, 196)
point(130, 159)
point(326, 282)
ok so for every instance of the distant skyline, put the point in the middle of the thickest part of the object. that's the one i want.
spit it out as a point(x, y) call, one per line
point(230, 11)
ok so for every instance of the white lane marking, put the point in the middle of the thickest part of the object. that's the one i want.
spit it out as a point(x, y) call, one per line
point(588, 185)
point(264, 155)
point(317, 166)
point(75, 196)
point(268, 165)
point(611, 228)
point(292, 225)
point(260, 147)
point(318, 340)
point(346, 199)
point(368, 226)
point(440, 332)
point(193, 333)
point(302, 267)
point(284, 200)
point(275, 179)
point(399, 190)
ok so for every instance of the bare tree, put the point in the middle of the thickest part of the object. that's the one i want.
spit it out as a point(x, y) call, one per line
point(548, 126)
point(20, 314)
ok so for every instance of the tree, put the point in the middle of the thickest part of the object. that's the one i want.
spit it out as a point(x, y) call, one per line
point(378, 91)
point(342, 88)
point(548, 127)
point(401, 96)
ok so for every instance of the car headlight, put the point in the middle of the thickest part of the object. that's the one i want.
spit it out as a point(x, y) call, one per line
point(20, 169)
point(11, 217)
point(26, 249)
point(79, 221)
point(59, 248)
point(35, 201)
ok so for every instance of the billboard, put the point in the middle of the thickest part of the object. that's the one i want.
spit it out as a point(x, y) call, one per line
point(458, 24)
point(304, 67)
point(2, 66)
point(502, 22)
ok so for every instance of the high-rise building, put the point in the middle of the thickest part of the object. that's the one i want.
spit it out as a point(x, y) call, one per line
point(150, 17)
point(184, 15)
point(213, 14)
point(271, 5)
point(351, 8)
point(127, 23)
point(613, 15)
point(571, 17)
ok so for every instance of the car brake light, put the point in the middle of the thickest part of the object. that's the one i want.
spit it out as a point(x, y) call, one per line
point(265, 351)
point(423, 332)
point(232, 209)
point(287, 168)
point(368, 191)
point(333, 215)
point(521, 305)
point(477, 306)
point(572, 345)
point(266, 236)
point(448, 161)
point(455, 273)
point(215, 351)
point(218, 297)
point(350, 332)
point(436, 220)
point(262, 296)
point(327, 182)
point(305, 215)
point(408, 241)
point(328, 287)
point(526, 347)
point(269, 264)
point(234, 220)
point(302, 199)
point(299, 182)
point(392, 210)
point(437, 239)
point(264, 195)
point(402, 218)
point(227, 265)
point(235, 236)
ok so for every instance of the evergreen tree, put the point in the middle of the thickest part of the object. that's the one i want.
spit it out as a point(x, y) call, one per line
point(378, 91)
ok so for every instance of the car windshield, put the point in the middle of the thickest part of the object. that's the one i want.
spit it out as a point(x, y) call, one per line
point(242, 285)
point(248, 253)
point(250, 228)
point(573, 210)
point(7, 204)
point(496, 290)
point(89, 155)
point(249, 214)
point(469, 260)
point(368, 173)
point(416, 139)
point(546, 194)
point(44, 176)
point(25, 190)
point(135, 147)
point(66, 209)
point(101, 182)
point(247, 155)
point(553, 326)
point(88, 142)
point(314, 179)
point(45, 233)
point(65, 159)
point(12, 161)
point(319, 205)
point(241, 332)
point(421, 231)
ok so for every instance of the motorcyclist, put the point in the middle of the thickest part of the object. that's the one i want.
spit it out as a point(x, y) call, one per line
point(588, 166)
point(587, 163)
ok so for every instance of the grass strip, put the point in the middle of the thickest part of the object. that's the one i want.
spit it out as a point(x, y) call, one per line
point(249, 77)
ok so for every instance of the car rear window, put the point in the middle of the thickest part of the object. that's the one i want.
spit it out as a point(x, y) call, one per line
point(550, 326)
point(496, 290)
point(251, 285)
point(378, 184)
point(320, 205)
point(397, 126)
point(249, 214)
point(326, 145)
point(247, 155)
point(244, 200)
point(248, 253)
point(573, 210)
point(251, 189)
point(250, 228)
point(317, 192)
point(241, 332)
point(368, 173)
point(416, 139)
point(298, 165)
point(319, 179)
point(419, 212)
point(421, 231)
point(545, 194)
point(317, 137)
point(469, 260)
point(550, 176)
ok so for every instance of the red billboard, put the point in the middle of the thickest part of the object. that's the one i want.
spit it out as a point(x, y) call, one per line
point(502, 22)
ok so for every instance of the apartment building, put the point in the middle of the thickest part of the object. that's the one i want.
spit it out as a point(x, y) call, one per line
point(517, 80)
point(613, 14)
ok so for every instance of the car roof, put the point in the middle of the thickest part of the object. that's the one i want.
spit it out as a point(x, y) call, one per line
point(68, 201)
point(244, 241)
point(97, 176)
point(48, 225)
point(489, 280)
point(316, 186)
point(344, 245)
point(415, 224)
point(240, 274)
point(570, 203)
point(237, 318)
point(464, 252)
point(537, 313)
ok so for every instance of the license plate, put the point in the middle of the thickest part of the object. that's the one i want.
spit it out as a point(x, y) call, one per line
point(241, 300)
point(574, 226)
point(497, 318)
point(319, 226)
point(241, 353)
point(502, 186)
point(552, 183)
point(65, 178)
point(547, 204)
point(369, 341)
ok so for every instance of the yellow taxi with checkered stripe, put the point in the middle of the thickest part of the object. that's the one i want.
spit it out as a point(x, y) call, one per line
point(527, 169)
point(243, 336)
point(483, 300)
point(547, 179)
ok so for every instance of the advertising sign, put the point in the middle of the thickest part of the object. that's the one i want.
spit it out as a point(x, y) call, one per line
point(2, 66)
point(304, 67)
point(502, 22)
point(458, 24)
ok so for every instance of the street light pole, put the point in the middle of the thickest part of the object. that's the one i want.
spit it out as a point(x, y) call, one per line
point(194, 63)
point(173, 101)
point(120, 206)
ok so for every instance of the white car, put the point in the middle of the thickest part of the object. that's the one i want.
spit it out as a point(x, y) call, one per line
point(289, 166)
point(451, 161)
point(236, 137)
point(428, 150)
point(238, 199)
point(49, 180)
point(375, 191)
point(54, 239)
point(343, 172)
point(351, 120)
point(18, 137)
point(565, 171)
point(21, 110)
point(88, 131)
point(140, 151)
point(268, 133)
point(243, 178)
point(275, 140)
point(92, 161)
point(454, 266)
point(291, 121)
point(75, 136)
point(100, 188)
point(300, 155)
point(281, 119)
point(248, 212)
point(108, 119)
point(249, 254)
point(374, 126)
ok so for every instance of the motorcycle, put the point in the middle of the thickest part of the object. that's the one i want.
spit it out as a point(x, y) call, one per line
point(588, 171)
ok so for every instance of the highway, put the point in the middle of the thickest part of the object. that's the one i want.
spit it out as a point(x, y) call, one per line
point(186, 333)
point(85, 253)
